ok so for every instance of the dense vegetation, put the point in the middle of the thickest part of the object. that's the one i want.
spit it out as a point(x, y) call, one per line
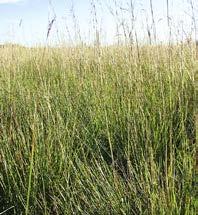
point(104, 130)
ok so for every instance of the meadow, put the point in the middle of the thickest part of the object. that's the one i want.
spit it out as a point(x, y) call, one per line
point(98, 130)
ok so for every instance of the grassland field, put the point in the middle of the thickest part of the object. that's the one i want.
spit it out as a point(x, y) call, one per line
point(98, 130)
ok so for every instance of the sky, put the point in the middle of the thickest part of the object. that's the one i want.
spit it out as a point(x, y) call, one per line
point(27, 22)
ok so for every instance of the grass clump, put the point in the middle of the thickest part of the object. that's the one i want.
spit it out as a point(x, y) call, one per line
point(107, 130)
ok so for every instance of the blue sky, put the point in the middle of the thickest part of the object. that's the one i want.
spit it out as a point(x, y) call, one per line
point(26, 21)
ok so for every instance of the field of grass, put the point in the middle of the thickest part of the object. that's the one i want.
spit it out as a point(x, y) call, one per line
point(104, 130)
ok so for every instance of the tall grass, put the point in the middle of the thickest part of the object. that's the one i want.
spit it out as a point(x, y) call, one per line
point(98, 130)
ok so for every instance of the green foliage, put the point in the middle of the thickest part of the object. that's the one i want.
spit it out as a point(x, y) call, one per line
point(88, 131)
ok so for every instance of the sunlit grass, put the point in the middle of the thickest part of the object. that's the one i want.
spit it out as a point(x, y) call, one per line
point(97, 130)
